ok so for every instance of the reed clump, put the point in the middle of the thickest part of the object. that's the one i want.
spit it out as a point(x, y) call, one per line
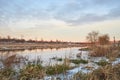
point(99, 51)
point(7, 74)
point(57, 69)
point(32, 71)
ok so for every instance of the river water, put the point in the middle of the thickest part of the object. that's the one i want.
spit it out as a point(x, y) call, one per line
point(45, 55)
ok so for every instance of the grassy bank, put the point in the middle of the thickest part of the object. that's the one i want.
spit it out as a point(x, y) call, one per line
point(30, 46)
point(107, 72)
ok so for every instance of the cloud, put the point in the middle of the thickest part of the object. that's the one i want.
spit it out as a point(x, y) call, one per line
point(73, 12)
point(88, 12)
point(115, 12)
point(13, 11)
point(89, 18)
point(104, 2)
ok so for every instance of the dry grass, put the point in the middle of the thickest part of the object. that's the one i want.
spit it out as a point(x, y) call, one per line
point(105, 51)
point(32, 71)
point(7, 74)
point(99, 51)
point(107, 72)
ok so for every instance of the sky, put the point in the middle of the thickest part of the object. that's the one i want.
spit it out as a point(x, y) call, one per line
point(67, 20)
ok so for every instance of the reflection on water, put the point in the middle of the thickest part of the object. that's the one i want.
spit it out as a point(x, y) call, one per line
point(29, 49)
point(44, 55)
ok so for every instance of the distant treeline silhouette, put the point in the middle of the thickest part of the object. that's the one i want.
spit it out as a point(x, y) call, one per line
point(16, 40)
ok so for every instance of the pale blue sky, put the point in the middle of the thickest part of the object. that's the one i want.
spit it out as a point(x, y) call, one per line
point(68, 20)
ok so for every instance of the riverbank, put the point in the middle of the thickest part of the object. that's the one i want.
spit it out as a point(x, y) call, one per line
point(30, 46)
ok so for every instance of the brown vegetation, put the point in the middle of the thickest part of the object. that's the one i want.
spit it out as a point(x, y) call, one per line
point(103, 39)
point(92, 37)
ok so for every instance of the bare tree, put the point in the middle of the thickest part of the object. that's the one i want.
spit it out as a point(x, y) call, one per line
point(118, 43)
point(92, 37)
point(104, 39)
point(8, 37)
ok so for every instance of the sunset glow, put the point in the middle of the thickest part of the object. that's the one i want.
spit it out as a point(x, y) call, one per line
point(68, 20)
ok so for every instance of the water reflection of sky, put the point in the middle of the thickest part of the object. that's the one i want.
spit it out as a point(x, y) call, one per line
point(45, 54)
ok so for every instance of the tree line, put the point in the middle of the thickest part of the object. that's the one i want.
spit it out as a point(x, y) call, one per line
point(8, 39)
